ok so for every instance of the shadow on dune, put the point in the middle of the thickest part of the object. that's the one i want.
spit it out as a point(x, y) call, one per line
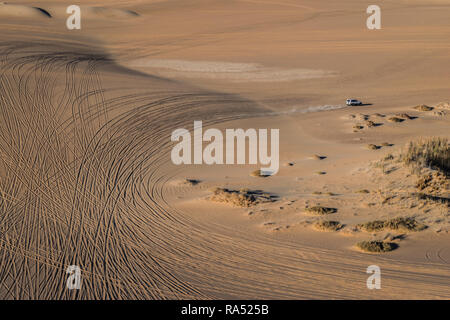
point(85, 145)
point(45, 12)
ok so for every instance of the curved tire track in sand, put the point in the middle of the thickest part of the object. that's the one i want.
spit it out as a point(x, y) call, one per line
point(85, 170)
point(69, 173)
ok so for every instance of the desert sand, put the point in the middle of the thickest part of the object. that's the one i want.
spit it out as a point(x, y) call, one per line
point(85, 172)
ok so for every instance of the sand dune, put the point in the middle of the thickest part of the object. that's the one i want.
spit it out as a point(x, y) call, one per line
point(75, 144)
point(85, 171)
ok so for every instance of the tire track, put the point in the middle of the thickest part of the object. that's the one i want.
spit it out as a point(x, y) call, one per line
point(84, 180)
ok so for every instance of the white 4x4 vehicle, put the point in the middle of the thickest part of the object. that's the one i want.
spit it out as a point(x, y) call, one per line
point(353, 102)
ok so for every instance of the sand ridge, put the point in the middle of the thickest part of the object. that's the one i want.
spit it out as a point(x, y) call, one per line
point(22, 11)
point(236, 72)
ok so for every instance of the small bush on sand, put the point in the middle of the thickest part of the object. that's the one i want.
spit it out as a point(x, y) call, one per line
point(317, 157)
point(370, 124)
point(363, 191)
point(404, 116)
point(400, 223)
point(373, 226)
point(433, 152)
point(319, 210)
point(396, 119)
point(443, 105)
point(241, 198)
point(424, 182)
point(404, 224)
point(376, 246)
point(434, 182)
point(372, 147)
point(259, 173)
point(325, 225)
point(423, 107)
point(191, 182)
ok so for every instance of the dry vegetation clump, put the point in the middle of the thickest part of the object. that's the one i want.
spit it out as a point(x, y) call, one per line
point(363, 191)
point(430, 160)
point(386, 164)
point(372, 147)
point(404, 224)
point(259, 173)
point(424, 182)
point(440, 113)
point(372, 226)
point(319, 210)
point(241, 198)
point(358, 127)
point(433, 182)
point(362, 117)
point(396, 119)
point(428, 153)
point(317, 157)
point(376, 246)
point(423, 107)
point(443, 105)
point(326, 225)
point(370, 124)
point(433, 198)
point(400, 223)
point(405, 116)
point(191, 182)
